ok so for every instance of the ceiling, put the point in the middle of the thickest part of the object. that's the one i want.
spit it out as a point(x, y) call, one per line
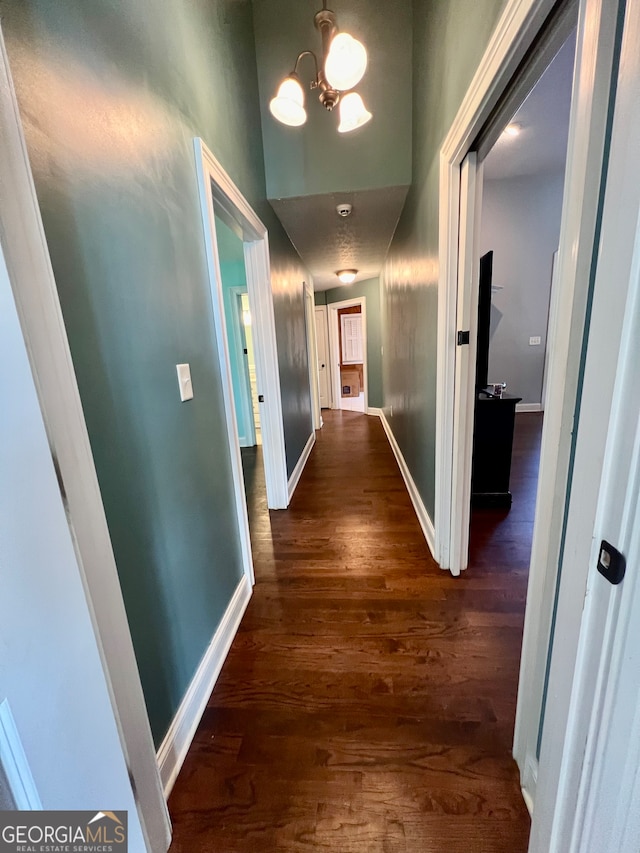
point(327, 242)
point(541, 145)
point(310, 169)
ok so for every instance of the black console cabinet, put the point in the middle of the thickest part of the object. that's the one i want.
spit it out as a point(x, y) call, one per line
point(492, 446)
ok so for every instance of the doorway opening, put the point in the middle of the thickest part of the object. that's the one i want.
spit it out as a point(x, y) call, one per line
point(514, 61)
point(242, 364)
point(222, 202)
point(238, 323)
point(519, 189)
point(348, 346)
point(517, 184)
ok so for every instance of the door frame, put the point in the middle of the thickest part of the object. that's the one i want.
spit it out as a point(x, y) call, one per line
point(312, 353)
point(334, 349)
point(465, 368)
point(590, 750)
point(518, 26)
point(217, 192)
point(551, 325)
point(325, 333)
point(36, 297)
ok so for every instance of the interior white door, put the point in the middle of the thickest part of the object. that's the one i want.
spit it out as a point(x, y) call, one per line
point(322, 337)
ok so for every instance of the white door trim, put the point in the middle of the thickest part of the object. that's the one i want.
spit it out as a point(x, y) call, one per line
point(324, 331)
point(465, 375)
point(312, 353)
point(518, 26)
point(551, 334)
point(590, 749)
point(27, 257)
point(334, 349)
point(217, 190)
point(514, 33)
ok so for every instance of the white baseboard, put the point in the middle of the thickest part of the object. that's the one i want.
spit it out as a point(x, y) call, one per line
point(421, 511)
point(529, 783)
point(529, 407)
point(297, 471)
point(176, 743)
point(371, 410)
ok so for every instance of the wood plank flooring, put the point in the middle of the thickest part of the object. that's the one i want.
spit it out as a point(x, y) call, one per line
point(367, 703)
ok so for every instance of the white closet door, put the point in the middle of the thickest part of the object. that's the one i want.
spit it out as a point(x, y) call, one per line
point(351, 325)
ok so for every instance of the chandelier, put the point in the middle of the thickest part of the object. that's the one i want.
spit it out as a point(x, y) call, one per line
point(344, 61)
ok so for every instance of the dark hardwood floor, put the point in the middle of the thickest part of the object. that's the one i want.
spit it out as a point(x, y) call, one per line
point(367, 702)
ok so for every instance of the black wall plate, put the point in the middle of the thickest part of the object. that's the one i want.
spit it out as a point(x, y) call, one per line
point(611, 563)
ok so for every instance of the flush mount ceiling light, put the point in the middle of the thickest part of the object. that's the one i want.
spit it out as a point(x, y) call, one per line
point(344, 61)
point(347, 276)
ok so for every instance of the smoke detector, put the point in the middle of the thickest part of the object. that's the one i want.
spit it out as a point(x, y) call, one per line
point(343, 209)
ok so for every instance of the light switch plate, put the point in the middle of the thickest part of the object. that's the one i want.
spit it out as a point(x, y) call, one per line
point(184, 382)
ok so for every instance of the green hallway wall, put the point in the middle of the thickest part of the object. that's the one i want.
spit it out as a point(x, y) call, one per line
point(371, 290)
point(449, 39)
point(111, 95)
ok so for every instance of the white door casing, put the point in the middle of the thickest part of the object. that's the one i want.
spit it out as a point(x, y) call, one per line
point(334, 347)
point(324, 373)
point(551, 328)
point(467, 320)
point(218, 192)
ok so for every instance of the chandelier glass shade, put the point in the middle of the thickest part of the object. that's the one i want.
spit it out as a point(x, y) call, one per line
point(353, 113)
point(346, 62)
point(288, 104)
point(341, 67)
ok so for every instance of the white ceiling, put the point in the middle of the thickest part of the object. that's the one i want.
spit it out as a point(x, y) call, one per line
point(541, 146)
point(327, 242)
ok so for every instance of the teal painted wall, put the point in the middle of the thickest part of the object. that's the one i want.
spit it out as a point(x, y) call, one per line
point(448, 42)
point(111, 96)
point(287, 282)
point(371, 290)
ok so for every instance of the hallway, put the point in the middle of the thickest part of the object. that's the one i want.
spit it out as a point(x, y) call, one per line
point(367, 702)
